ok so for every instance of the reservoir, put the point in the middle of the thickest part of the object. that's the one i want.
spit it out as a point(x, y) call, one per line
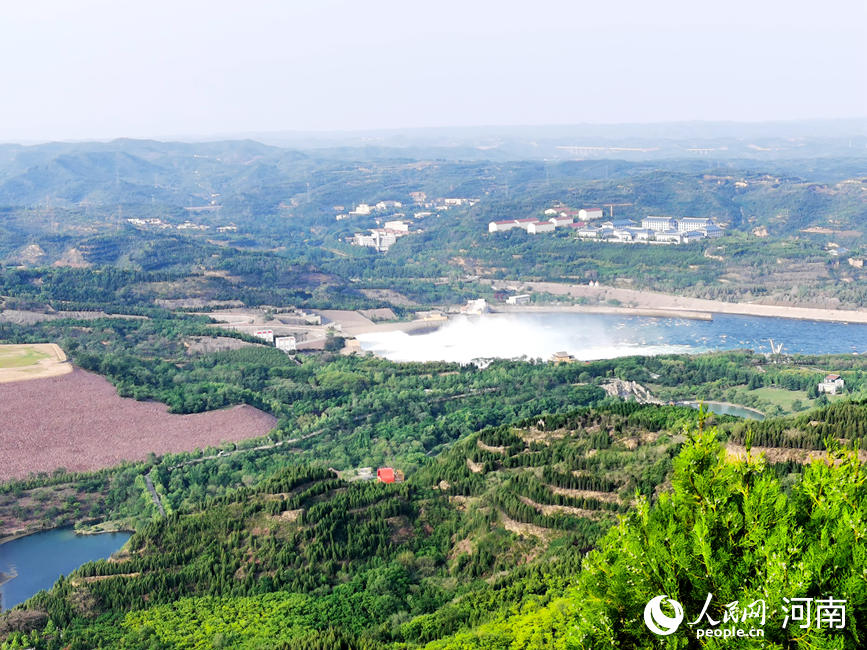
point(604, 336)
point(40, 559)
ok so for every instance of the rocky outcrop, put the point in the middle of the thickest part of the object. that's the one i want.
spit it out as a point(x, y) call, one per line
point(629, 390)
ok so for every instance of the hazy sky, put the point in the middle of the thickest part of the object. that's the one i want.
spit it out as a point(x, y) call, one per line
point(99, 69)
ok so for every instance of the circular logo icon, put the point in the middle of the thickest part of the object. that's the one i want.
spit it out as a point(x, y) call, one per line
point(658, 622)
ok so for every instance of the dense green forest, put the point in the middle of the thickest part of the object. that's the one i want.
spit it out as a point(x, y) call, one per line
point(538, 510)
point(500, 542)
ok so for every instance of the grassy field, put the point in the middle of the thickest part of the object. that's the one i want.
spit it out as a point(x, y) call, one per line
point(783, 398)
point(32, 361)
point(20, 356)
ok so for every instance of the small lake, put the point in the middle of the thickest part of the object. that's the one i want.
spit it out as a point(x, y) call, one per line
point(40, 559)
point(605, 336)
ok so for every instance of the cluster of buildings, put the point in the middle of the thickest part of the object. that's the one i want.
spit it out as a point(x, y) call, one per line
point(285, 343)
point(587, 224)
point(158, 224)
point(381, 239)
point(660, 230)
point(556, 219)
point(395, 225)
point(420, 201)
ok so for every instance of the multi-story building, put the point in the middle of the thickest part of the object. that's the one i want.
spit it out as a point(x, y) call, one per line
point(686, 224)
point(658, 224)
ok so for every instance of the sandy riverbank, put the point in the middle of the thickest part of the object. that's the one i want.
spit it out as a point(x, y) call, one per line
point(632, 300)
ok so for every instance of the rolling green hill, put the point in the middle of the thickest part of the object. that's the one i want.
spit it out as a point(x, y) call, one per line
point(487, 546)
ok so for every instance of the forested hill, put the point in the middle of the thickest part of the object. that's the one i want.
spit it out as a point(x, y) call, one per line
point(485, 546)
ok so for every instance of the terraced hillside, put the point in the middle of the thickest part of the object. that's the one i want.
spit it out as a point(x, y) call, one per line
point(498, 527)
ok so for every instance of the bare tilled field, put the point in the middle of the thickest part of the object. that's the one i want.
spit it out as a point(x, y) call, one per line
point(79, 422)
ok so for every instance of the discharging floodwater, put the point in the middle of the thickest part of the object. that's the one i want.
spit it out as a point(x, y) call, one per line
point(605, 336)
point(40, 559)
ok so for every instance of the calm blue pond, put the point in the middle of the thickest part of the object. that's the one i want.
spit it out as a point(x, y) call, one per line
point(40, 559)
point(604, 336)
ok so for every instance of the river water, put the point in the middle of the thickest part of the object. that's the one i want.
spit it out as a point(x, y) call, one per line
point(605, 336)
point(40, 559)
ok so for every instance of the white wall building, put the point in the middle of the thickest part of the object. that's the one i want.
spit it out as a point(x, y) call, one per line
point(537, 227)
point(265, 335)
point(286, 343)
point(502, 226)
point(559, 221)
point(522, 299)
point(362, 209)
point(587, 214)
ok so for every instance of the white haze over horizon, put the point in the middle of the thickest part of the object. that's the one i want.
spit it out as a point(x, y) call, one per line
point(464, 339)
point(100, 69)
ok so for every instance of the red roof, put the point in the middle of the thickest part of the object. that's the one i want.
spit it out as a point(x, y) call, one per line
point(385, 474)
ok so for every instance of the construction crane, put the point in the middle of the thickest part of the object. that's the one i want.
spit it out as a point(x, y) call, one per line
point(611, 207)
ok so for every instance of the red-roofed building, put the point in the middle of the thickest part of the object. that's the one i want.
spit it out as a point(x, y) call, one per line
point(385, 475)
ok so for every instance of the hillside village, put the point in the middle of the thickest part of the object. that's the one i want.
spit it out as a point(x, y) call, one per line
point(386, 234)
point(588, 223)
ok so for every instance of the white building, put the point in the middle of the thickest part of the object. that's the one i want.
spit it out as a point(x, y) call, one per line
point(588, 232)
point(361, 209)
point(618, 223)
point(587, 214)
point(832, 384)
point(379, 238)
point(560, 220)
point(286, 343)
point(686, 224)
point(400, 226)
point(522, 299)
point(623, 234)
point(659, 224)
point(712, 231)
point(537, 227)
point(502, 226)
point(265, 335)
point(669, 237)
point(388, 205)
